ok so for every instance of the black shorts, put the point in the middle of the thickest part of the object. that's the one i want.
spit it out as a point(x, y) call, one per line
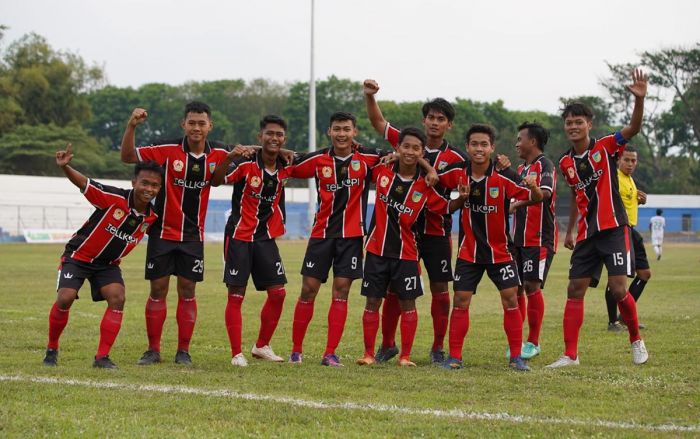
point(400, 276)
point(261, 259)
point(436, 252)
point(72, 274)
point(344, 254)
point(165, 257)
point(533, 263)
point(611, 247)
point(468, 275)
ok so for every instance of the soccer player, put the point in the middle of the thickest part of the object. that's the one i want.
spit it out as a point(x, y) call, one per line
point(121, 219)
point(434, 230)
point(657, 224)
point(535, 231)
point(175, 244)
point(392, 255)
point(483, 241)
point(603, 232)
point(631, 199)
point(257, 218)
point(341, 173)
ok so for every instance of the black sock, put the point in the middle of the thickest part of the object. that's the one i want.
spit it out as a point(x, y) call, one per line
point(611, 304)
point(636, 288)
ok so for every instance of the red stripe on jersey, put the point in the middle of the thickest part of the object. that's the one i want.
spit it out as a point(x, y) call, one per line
point(535, 225)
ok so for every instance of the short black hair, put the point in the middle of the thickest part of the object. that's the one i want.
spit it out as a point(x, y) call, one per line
point(630, 148)
point(342, 116)
point(577, 109)
point(481, 128)
point(537, 132)
point(149, 165)
point(415, 132)
point(441, 106)
point(271, 118)
point(659, 212)
point(197, 107)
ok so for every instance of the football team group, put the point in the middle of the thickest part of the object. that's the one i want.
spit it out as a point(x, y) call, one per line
point(414, 183)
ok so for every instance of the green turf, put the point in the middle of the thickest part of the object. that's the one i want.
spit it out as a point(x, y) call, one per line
point(606, 387)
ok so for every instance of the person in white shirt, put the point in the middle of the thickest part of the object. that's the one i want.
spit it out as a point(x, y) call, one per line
point(657, 224)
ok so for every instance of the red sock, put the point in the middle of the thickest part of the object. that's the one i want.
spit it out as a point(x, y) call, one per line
point(337, 314)
point(535, 313)
point(370, 326)
point(628, 311)
point(109, 329)
point(186, 316)
point(303, 313)
point(234, 322)
point(156, 311)
point(58, 319)
point(440, 311)
point(270, 315)
point(409, 324)
point(573, 319)
point(459, 326)
point(522, 306)
point(391, 311)
point(513, 325)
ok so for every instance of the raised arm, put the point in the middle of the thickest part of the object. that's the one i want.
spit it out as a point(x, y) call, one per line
point(639, 90)
point(62, 159)
point(128, 148)
point(370, 88)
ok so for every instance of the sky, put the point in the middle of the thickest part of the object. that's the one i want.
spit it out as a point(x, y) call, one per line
point(526, 53)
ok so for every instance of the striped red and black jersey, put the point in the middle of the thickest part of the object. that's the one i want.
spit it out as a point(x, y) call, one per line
point(342, 186)
point(535, 225)
point(113, 229)
point(397, 205)
point(483, 231)
point(593, 177)
point(257, 203)
point(182, 202)
point(430, 223)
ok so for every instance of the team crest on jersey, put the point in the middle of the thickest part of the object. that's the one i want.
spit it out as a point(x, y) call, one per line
point(399, 189)
point(533, 174)
point(212, 167)
point(476, 192)
point(327, 171)
point(178, 165)
point(132, 222)
point(144, 227)
point(355, 165)
point(493, 192)
point(343, 170)
point(571, 172)
point(118, 214)
point(195, 168)
point(582, 166)
point(384, 181)
point(255, 181)
point(441, 165)
point(416, 197)
point(596, 156)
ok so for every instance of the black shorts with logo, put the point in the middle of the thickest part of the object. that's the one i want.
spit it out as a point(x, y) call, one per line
point(261, 259)
point(640, 258)
point(72, 274)
point(400, 276)
point(165, 258)
point(533, 263)
point(344, 254)
point(612, 247)
point(436, 252)
point(468, 275)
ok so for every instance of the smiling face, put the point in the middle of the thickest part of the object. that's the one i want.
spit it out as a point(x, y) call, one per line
point(525, 143)
point(436, 124)
point(479, 148)
point(146, 185)
point(272, 138)
point(342, 134)
point(196, 126)
point(410, 150)
point(577, 127)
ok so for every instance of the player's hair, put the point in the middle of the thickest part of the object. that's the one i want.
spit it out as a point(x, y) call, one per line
point(577, 109)
point(149, 165)
point(197, 107)
point(271, 118)
point(415, 132)
point(483, 129)
point(441, 106)
point(630, 148)
point(342, 116)
point(659, 212)
point(537, 132)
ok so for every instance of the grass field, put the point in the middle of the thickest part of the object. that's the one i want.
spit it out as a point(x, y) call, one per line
point(606, 396)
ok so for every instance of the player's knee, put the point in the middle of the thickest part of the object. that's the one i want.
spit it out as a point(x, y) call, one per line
point(531, 287)
point(373, 304)
point(276, 293)
point(65, 298)
point(308, 291)
point(576, 289)
point(235, 290)
point(462, 301)
point(159, 289)
point(186, 288)
point(438, 287)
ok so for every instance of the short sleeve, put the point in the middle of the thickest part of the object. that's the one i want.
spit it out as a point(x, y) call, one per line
point(451, 175)
point(236, 171)
point(514, 190)
point(102, 196)
point(546, 175)
point(156, 153)
point(436, 202)
point(613, 143)
point(391, 134)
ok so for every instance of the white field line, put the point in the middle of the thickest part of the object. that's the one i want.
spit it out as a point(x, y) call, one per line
point(458, 414)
